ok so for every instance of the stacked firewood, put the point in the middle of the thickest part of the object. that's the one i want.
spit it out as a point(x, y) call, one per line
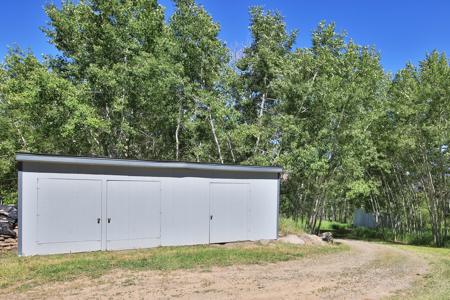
point(8, 227)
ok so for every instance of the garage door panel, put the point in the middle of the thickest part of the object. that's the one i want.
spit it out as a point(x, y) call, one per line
point(133, 213)
point(67, 210)
point(228, 207)
point(117, 210)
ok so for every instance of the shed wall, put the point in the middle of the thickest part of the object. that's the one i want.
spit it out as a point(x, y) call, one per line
point(185, 204)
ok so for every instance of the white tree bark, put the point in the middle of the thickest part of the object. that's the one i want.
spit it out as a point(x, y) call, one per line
point(177, 132)
point(216, 140)
point(260, 115)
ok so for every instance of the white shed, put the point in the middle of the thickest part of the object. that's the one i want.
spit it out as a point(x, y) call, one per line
point(74, 204)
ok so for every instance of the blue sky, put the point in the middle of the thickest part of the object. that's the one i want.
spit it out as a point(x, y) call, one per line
point(400, 30)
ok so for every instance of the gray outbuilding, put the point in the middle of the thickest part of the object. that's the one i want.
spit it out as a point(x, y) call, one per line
point(76, 204)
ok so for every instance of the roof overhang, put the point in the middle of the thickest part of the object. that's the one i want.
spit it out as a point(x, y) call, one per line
point(101, 161)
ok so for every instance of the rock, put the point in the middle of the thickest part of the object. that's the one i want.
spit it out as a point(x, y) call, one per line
point(311, 239)
point(327, 237)
point(292, 239)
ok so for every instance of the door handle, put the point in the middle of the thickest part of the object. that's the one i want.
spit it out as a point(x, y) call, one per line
point(98, 220)
point(211, 217)
point(109, 220)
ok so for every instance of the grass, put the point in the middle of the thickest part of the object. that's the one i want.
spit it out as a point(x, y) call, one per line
point(347, 231)
point(27, 272)
point(436, 283)
point(289, 225)
point(331, 225)
point(387, 235)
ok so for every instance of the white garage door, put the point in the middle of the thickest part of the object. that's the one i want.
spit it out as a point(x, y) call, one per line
point(229, 212)
point(69, 212)
point(133, 214)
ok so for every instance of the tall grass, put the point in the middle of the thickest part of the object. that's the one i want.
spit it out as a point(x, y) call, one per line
point(291, 226)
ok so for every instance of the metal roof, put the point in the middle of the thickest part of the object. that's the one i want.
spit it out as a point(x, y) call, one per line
point(102, 161)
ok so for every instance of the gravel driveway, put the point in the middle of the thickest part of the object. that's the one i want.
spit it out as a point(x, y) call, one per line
point(367, 271)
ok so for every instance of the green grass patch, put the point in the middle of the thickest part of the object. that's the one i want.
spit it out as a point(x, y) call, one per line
point(348, 231)
point(26, 272)
point(333, 226)
point(436, 284)
point(291, 226)
point(387, 235)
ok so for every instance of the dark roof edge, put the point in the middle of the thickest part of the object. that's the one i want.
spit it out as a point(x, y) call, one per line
point(100, 161)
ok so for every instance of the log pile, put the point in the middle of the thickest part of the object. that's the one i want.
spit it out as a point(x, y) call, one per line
point(8, 227)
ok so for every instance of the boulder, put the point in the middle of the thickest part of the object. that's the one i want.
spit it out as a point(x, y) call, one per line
point(292, 239)
point(327, 237)
point(311, 239)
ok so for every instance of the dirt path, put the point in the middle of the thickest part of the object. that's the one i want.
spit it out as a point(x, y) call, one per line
point(367, 271)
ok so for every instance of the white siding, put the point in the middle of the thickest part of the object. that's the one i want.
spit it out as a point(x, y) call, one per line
point(263, 209)
point(184, 201)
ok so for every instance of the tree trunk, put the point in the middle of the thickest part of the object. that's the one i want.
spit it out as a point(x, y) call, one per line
point(216, 140)
point(231, 149)
point(260, 115)
point(177, 132)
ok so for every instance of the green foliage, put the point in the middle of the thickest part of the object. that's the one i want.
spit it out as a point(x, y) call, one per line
point(259, 67)
point(116, 52)
point(204, 114)
point(331, 97)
